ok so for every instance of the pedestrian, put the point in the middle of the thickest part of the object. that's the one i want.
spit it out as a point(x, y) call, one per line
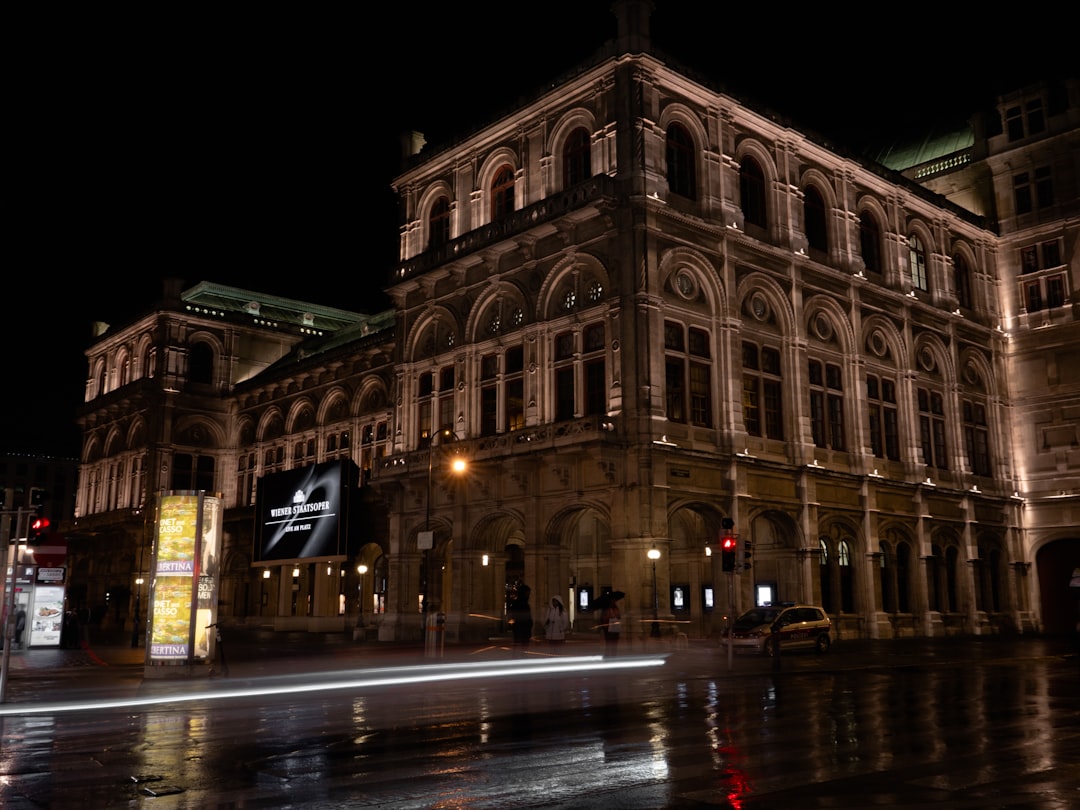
point(521, 619)
point(20, 624)
point(611, 622)
point(557, 622)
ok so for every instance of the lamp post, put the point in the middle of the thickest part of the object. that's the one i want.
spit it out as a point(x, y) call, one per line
point(135, 621)
point(654, 555)
point(361, 570)
point(426, 541)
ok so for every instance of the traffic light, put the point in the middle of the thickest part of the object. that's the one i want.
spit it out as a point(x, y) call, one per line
point(727, 552)
point(748, 554)
point(39, 527)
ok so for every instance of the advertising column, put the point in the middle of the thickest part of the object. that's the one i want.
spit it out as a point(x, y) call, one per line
point(183, 590)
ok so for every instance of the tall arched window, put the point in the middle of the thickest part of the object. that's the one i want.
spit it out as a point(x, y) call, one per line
point(439, 223)
point(903, 574)
point(502, 193)
point(825, 572)
point(201, 364)
point(752, 193)
point(681, 169)
point(962, 281)
point(814, 215)
point(917, 262)
point(847, 577)
point(870, 242)
point(577, 162)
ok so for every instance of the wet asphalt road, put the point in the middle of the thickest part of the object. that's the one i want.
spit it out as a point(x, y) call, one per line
point(303, 721)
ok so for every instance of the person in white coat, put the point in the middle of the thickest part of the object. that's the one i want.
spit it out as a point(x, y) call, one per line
point(556, 623)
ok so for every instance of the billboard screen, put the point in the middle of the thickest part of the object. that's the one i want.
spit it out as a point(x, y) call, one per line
point(301, 514)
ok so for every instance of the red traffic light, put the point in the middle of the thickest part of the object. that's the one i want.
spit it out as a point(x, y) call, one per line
point(39, 527)
point(729, 543)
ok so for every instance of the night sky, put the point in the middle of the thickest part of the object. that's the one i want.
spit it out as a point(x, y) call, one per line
point(256, 149)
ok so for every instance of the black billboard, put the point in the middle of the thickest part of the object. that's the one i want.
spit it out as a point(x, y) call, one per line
point(302, 514)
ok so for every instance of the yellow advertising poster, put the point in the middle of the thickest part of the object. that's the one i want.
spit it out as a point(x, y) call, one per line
point(174, 577)
point(171, 630)
point(178, 519)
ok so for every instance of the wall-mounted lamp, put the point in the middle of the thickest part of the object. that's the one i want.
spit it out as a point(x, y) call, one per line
point(484, 560)
point(266, 573)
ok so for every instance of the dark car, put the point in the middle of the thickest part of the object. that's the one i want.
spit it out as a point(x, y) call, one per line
point(797, 626)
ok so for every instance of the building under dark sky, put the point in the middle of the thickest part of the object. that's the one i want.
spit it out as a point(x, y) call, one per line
point(257, 150)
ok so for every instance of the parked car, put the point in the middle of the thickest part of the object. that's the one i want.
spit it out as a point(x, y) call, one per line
point(796, 626)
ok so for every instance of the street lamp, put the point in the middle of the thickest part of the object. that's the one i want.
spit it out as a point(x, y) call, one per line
point(361, 570)
point(135, 621)
point(426, 540)
point(654, 555)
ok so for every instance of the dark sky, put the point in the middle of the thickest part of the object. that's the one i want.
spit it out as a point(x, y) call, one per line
point(256, 148)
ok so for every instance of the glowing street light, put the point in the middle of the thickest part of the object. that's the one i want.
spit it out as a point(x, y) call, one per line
point(654, 555)
point(458, 466)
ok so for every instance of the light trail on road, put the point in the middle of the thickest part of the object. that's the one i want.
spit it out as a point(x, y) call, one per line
point(340, 680)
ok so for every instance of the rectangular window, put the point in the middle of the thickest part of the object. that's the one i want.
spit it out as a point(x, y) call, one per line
point(932, 428)
point(976, 437)
point(762, 392)
point(675, 388)
point(489, 410)
point(595, 387)
point(883, 417)
point(1044, 187)
point(1022, 193)
point(564, 393)
point(515, 404)
point(700, 400)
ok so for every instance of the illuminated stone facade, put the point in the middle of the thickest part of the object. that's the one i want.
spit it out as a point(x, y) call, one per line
point(638, 308)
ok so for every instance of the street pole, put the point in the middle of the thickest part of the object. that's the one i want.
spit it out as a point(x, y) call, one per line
point(731, 621)
point(654, 555)
point(9, 601)
point(425, 604)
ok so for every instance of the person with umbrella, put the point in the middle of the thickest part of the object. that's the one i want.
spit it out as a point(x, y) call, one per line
point(610, 620)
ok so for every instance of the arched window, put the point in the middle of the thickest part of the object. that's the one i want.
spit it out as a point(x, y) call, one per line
point(825, 571)
point(439, 223)
point(917, 262)
point(903, 573)
point(577, 162)
point(502, 193)
point(201, 364)
point(847, 580)
point(814, 215)
point(962, 281)
point(681, 170)
point(752, 193)
point(870, 242)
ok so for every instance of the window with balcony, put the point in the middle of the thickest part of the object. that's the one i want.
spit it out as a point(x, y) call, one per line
point(917, 263)
point(816, 222)
point(870, 242)
point(502, 193)
point(681, 163)
point(439, 223)
point(752, 193)
point(577, 160)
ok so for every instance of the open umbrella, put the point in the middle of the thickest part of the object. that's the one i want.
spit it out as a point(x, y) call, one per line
point(604, 599)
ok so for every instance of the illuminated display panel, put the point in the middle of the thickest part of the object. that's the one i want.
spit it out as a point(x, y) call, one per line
point(302, 514)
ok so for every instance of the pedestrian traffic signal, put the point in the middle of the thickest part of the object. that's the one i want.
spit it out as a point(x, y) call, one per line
point(748, 554)
point(39, 527)
point(727, 552)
